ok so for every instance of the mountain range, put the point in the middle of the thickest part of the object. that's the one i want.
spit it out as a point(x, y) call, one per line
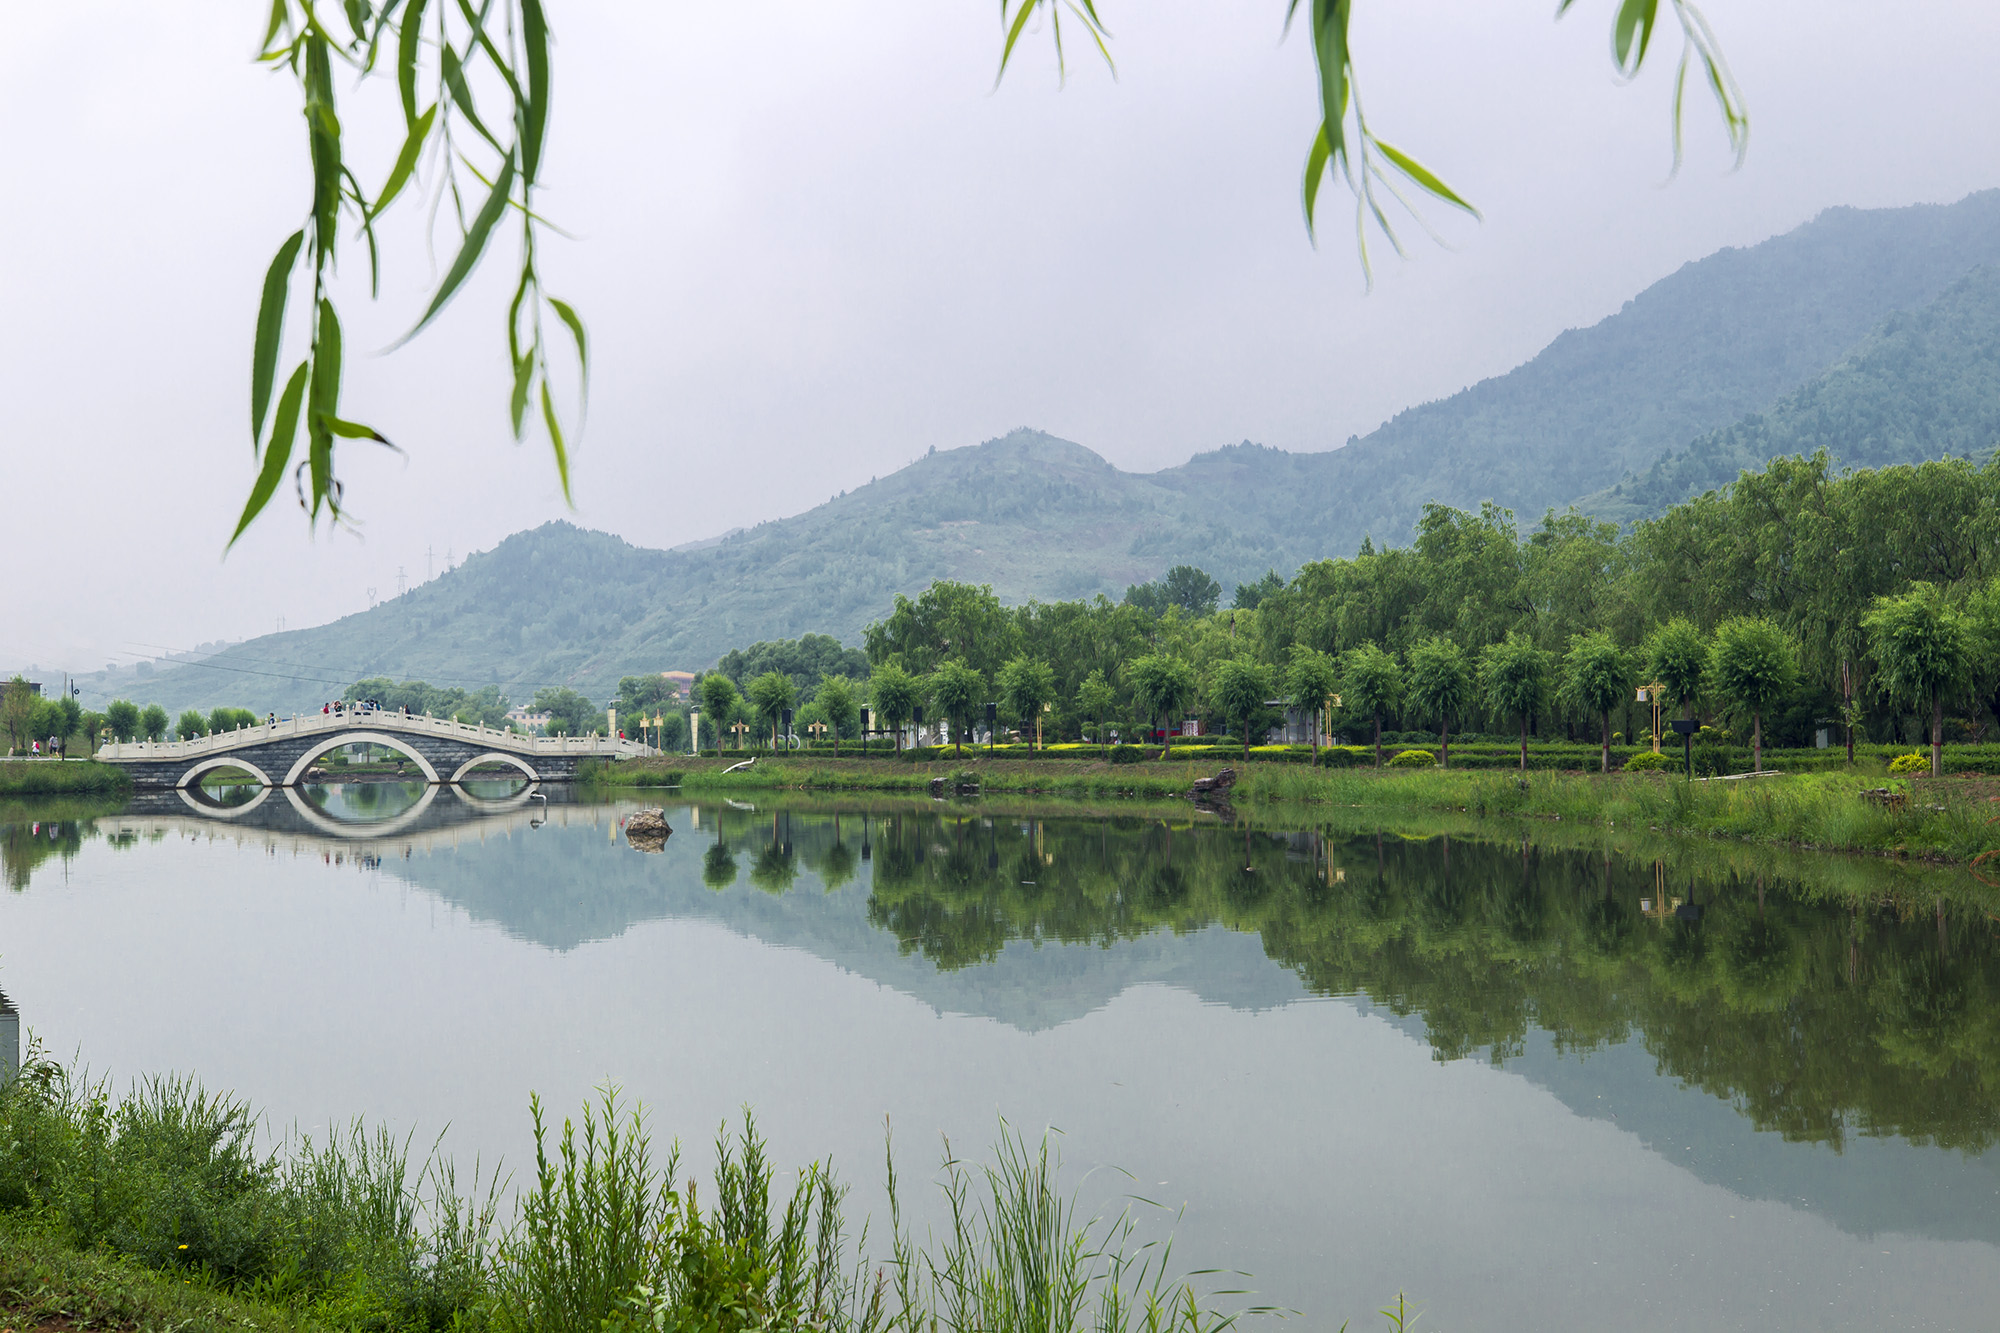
point(1874, 334)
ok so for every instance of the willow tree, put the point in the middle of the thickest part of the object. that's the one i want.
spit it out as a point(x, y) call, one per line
point(1514, 676)
point(1596, 673)
point(895, 693)
point(473, 85)
point(1025, 686)
point(1163, 686)
point(1241, 690)
point(1371, 681)
point(956, 688)
point(1755, 665)
point(1310, 681)
point(1441, 687)
point(1923, 647)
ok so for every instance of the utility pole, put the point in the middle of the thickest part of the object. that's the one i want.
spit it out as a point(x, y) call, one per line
point(401, 581)
point(371, 597)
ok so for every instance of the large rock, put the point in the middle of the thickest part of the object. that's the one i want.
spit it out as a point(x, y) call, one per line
point(648, 829)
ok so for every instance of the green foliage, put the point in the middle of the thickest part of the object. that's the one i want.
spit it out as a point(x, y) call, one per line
point(1241, 690)
point(122, 716)
point(1441, 681)
point(153, 722)
point(835, 699)
point(1905, 764)
point(1127, 754)
point(1755, 664)
point(958, 691)
point(230, 719)
point(949, 620)
point(1095, 699)
point(570, 714)
point(718, 699)
point(1514, 675)
point(895, 693)
point(17, 713)
point(486, 705)
point(1414, 759)
point(771, 694)
point(450, 132)
point(1024, 686)
point(189, 725)
point(1596, 677)
point(1184, 587)
point(1646, 761)
point(808, 660)
point(1250, 595)
point(1676, 656)
point(1163, 686)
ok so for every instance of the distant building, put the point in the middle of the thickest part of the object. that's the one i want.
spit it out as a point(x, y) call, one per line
point(682, 681)
point(526, 719)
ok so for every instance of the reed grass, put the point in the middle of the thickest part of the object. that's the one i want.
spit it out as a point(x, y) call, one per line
point(345, 1232)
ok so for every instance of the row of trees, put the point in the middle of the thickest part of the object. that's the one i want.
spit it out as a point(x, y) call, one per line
point(1793, 600)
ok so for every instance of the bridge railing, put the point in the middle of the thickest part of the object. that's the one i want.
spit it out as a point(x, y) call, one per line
point(320, 724)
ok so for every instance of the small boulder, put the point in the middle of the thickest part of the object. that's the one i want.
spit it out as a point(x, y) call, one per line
point(648, 829)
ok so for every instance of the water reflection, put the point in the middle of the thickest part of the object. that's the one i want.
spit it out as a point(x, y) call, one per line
point(1827, 1033)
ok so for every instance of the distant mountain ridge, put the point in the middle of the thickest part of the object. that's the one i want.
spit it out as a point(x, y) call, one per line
point(1844, 310)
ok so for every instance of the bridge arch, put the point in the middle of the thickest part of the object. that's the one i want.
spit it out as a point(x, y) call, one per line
point(207, 811)
point(496, 756)
point(386, 740)
point(194, 773)
point(387, 828)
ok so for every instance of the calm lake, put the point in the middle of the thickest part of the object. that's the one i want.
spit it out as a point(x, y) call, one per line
point(1531, 1083)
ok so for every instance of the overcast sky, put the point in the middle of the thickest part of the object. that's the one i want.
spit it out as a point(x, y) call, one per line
point(812, 242)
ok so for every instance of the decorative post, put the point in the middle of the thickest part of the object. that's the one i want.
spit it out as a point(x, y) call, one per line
point(694, 732)
point(818, 729)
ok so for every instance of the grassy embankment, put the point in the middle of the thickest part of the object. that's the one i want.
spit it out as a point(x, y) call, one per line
point(160, 1211)
point(1952, 818)
point(45, 777)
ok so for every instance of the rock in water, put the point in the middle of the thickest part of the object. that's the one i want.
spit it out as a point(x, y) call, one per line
point(648, 830)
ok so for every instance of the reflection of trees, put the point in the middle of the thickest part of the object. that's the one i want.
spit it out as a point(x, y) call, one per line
point(26, 845)
point(718, 866)
point(1818, 1020)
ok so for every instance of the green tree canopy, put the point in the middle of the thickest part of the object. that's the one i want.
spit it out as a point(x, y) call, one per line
point(1095, 698)
point(958, 691)
point(835, 697)
point(189, 725)
point(1311, 679)
point(122, 716)
point(1371, 683)
point(570, 713)
point(153, 722)
point(1754, 664)
point(1677, 657)
point(1241, 690)
point(895, 693)
point(1596, 678)
point(1441, 686)
point(718, 701)
point(1923, 649)
point(1025, 685)
point(1163, 686)
point(771, 694)
point(1514, 676)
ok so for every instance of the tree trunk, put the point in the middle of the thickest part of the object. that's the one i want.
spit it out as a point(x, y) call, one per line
point(1524, 745)
point(1444, 745)
point(1604, 764)
point(1756, 742)
point(1937, 735)
point(1378, 740)
point(1167, 746)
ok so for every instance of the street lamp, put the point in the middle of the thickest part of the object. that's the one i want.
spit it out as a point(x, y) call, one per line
point(1652, 694)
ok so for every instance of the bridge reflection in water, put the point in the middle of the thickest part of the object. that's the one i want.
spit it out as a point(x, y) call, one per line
point(348, 818)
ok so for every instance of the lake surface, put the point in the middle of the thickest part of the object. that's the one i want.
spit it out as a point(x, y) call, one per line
point(1532, 1084)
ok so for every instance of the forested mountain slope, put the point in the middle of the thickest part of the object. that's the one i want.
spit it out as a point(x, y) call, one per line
point(1925, 385)
point(1721, 338)
point(1038, 517)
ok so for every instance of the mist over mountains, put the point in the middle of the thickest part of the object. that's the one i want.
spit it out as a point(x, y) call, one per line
point(1874, 334)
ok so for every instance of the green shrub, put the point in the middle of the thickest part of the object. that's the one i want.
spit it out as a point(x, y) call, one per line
point(1647, 762)
point(1414, 759)
point(1127, 754)
point(1909, 763)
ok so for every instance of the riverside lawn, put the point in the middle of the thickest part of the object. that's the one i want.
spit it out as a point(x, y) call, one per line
point(1955, 818)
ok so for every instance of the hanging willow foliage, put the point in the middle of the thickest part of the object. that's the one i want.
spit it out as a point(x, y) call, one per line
point(485, 165)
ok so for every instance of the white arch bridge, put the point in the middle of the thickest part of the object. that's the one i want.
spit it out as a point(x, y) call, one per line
point(282, 753)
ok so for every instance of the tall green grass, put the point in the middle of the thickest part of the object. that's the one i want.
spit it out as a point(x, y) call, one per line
point(607, 1238)
point(70, 778)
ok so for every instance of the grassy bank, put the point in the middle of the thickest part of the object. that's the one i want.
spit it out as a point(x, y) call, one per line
point(46, 777)
point(1951, 818)
point(161, 1210)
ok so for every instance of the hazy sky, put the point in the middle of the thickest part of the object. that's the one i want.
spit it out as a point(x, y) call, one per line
point(813, 242)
